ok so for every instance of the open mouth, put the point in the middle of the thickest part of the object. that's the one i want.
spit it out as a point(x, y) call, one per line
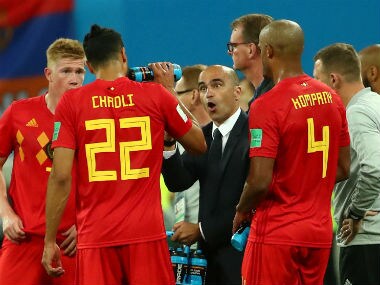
point(211, 106)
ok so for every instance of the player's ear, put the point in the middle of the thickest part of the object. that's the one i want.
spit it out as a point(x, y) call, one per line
point(123, 55)
point(253, 49)
point(270, 51)
point(335, 80)
point(237, 92)
point(372, 73)
point(48, 74)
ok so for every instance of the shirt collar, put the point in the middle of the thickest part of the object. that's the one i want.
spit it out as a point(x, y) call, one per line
point(228, 124)
point(355, 98)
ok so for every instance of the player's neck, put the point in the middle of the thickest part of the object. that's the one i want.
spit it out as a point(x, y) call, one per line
point(376, 87)
point(349, 90)
point(110, 72)
point(254, 73)
point(286, 70)
point(51, 101)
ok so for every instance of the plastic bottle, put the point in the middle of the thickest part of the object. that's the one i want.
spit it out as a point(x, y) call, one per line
point(180, 265)
point(186, 278)
point(239, 239)
point(144, 73)
point(198, 268)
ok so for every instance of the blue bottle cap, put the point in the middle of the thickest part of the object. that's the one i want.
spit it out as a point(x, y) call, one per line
point(177, 72)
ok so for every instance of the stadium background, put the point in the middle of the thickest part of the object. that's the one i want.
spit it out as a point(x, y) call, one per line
point(186, 32)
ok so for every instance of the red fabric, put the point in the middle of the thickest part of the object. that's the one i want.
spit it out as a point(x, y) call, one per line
point(119, 157)
point(141, 263)
point(26, 128)
point(296, 210)
point(21, 265)
point(14, 13)
point(283, 265)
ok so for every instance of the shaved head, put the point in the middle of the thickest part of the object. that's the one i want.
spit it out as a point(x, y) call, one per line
point(286, 37)
point(370, 64)
point(281, 43)
point(370, 55)
point(231, 74)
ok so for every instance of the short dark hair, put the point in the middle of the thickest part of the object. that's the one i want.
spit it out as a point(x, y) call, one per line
point(102, 45)
point(252, 25)
point(341, 58)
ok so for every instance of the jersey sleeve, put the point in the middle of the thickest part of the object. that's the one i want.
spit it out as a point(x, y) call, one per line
point(263, 131)
point(6, 132)
point(177, 124)
point(64, 135)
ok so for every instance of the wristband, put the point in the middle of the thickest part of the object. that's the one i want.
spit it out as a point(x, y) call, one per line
point(354, 216)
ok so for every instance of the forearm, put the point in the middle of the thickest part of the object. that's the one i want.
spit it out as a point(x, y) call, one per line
point(5, 208)
point(251, 196)
point(56, 198)
point(176, 175)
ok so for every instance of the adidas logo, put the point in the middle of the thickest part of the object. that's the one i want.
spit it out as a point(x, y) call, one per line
point(32, 123)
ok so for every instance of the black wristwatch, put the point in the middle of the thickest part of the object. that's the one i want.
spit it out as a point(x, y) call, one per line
point(169, 143)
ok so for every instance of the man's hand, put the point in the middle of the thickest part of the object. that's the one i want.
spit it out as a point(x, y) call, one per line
point(13, 228)
point(239, 219)
point(51, 260)
point(349, 230)
point(351, 227)
point(164, 74)
point(69, 245)
point(186, 233)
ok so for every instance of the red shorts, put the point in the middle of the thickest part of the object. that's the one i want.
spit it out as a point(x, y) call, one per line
point(135, 264)
point(283, 264)
point(21, 265)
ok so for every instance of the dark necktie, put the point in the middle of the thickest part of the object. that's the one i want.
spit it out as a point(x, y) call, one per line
point(215, 153)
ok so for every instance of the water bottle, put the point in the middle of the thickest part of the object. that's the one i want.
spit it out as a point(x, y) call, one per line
point(186, 251)
point(144, 73)
point(198, 268)
point(239, 239)
point(180, 265)
point(175, 259)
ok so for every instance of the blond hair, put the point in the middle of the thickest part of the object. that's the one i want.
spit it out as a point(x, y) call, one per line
point(64, 48)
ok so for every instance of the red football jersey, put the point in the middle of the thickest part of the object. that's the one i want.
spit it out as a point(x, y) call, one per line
point(117, 129)
point(301, 123)
point(26, 128)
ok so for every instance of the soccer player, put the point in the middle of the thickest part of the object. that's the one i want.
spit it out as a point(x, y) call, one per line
point(26, 128)
point(299, 149)
point(114, 129)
